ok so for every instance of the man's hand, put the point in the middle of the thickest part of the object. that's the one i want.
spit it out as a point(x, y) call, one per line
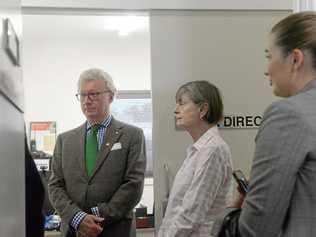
point(90, 226)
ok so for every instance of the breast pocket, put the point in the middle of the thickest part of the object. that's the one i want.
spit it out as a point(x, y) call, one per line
point(113, 169)
point(116, 161)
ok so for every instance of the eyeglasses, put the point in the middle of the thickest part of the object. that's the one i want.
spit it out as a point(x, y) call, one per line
point(91, 95)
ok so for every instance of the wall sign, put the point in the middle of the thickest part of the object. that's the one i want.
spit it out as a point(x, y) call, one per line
point(235, 121)
point(43, 136)
point(241, 121)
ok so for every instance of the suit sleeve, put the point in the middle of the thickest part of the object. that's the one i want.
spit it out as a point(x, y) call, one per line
point(279, 154)
point(58, 196)
point(131, 189)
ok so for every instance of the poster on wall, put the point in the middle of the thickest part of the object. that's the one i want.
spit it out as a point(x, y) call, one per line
point(43, 136)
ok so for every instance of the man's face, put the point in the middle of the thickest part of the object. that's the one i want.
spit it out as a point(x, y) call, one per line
point(95, 100)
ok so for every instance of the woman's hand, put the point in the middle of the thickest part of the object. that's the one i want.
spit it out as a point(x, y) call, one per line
point(239, 200)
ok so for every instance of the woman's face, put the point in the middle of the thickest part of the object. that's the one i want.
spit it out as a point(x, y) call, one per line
point(187, 113)
point(278, 69)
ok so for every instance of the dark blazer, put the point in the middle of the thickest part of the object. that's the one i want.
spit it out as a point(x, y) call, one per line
point(34, 198)
point(115, 185)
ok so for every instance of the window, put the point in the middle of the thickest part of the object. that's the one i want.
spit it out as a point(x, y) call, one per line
point(135, 107)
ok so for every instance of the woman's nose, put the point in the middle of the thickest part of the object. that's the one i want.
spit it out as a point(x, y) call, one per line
point(176, 110)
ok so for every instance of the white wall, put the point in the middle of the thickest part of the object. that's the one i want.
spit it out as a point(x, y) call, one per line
point(55, 55)
point(223, 47)
point(162, 4)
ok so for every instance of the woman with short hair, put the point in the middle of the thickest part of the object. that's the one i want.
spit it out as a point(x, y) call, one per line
point(201, 188)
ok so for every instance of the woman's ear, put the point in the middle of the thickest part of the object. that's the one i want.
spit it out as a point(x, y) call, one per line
point(297, 58)
point(203, 110)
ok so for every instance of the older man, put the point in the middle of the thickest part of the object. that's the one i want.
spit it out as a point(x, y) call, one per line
point(98, 168)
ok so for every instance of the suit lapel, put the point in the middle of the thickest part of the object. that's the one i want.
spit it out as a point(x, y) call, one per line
point(113, 133)
point(81, 149)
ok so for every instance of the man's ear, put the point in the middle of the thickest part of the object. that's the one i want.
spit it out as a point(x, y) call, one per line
point(111, 97)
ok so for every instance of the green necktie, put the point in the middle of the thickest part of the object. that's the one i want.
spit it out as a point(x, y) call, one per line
point(91, 148)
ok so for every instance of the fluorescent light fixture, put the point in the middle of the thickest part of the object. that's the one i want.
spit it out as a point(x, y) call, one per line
point(124, 25)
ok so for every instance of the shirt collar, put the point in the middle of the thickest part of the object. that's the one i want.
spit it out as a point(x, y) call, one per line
point(308, 86)
point(209, 134)
point(105, 123)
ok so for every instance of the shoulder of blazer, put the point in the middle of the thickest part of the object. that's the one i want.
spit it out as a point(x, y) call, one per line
point(293, 102)
point(124, 126)
point(74, 132)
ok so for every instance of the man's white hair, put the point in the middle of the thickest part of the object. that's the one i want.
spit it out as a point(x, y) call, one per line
point(97, 74)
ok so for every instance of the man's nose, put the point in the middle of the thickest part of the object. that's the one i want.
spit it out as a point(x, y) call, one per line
point(87, 99)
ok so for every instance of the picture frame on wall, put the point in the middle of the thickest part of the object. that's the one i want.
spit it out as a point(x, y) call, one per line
point(43, 136)
point(11, 42)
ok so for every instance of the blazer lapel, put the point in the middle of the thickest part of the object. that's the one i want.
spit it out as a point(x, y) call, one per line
point(112, 134)
point(81, 137)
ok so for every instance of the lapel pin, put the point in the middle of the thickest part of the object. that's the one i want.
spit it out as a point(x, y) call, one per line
point(107, 144)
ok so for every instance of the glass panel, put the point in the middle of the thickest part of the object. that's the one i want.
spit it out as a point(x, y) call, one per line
point(138, 112)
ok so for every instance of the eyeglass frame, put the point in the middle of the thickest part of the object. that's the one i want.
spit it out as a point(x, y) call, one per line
point(93, 96)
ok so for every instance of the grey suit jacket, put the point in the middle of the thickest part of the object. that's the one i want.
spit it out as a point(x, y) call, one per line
point(282, 192)
point(116, 184)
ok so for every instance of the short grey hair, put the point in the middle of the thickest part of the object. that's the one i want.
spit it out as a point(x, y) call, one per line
point(97, 74)
point(204, 92)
